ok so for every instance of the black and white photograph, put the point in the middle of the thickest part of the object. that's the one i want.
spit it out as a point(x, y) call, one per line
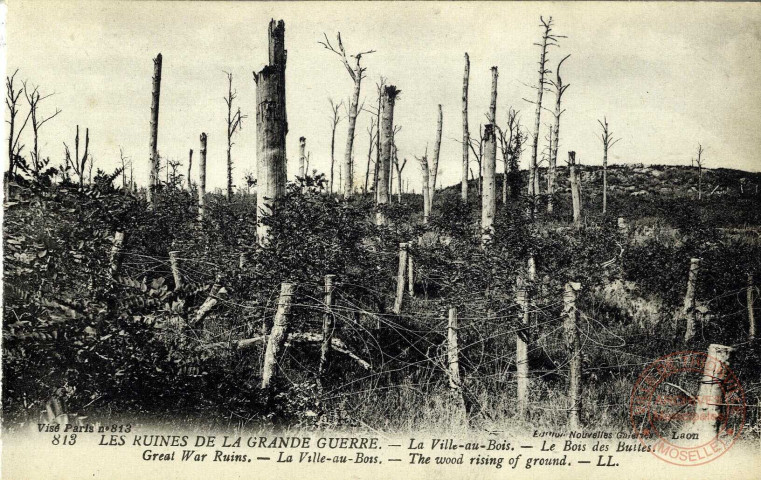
point(371, 240)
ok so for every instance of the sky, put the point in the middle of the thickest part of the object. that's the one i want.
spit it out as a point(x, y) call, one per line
point(666, 75)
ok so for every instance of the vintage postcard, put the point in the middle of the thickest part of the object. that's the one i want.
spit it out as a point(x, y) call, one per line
point(372, 240)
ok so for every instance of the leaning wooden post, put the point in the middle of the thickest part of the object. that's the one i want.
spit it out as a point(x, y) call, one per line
point(711, 392)
point(573, 346)
point(328, 324)
point(277, 335)
point(688, 310)
point(154, 129)
point(751, 317)
point(202, 179)
point(521, 348)
point(116, 255)
point(400, 278)
point(174, 263)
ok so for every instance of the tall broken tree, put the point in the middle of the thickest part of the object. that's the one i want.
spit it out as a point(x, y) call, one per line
point(371, 132)
point(334, 119)
point(271, 129)
point(436, 150)
point(548, 40)
point(190, 166)
point(699, 162)
point(390, 93)
point(560, 89)
point(489, 195)
point(154, 178)
point(465, 133)
point(234, 124)
point(607, 142)
point(357, 73)
point(426, 185)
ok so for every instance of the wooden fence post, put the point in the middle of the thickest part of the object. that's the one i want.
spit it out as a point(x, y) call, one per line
point(573, 346)
point(116, 255)
point(688, 310)
point(521, 348)
point(453, 364)
point(751, 317)
point(400, 278)
point(710, 393)
point(410, 275)
point(453, 351)
point(277, 335)
point(328, 324)
point(174, 263)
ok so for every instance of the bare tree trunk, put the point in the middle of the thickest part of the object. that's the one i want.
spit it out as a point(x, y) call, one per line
point(532, 183)
point(154, 128)
point(493, 104)
point(688, 309)
point(202, 179)
point(573, 176)
point(426, 188)
point(190, 165)
point(271, 129)
point(436, 150)
point(369, 160)
point(465, 133)
point(387, 137)
point(573, 346)
point(278, 335)
point(347, 167)
point(302, 156)
point(489, 197)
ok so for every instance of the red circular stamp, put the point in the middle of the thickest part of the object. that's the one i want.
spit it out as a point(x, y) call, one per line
point(688, 408)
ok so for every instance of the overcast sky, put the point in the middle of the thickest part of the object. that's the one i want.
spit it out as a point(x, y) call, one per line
point(667, 76)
